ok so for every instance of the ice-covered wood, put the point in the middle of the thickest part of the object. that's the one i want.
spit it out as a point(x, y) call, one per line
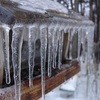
point(34, 93)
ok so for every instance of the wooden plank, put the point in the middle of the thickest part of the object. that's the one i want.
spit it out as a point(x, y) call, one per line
point(51, 83)
point(34, 93)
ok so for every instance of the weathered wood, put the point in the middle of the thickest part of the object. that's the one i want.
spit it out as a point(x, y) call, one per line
point(34, 93)
point(51, 83)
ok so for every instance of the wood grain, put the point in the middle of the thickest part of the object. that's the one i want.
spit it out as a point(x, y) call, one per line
point(34, 93)
point(51, 83)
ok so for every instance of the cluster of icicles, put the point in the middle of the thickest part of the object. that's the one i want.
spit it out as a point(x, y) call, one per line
point(51, 36)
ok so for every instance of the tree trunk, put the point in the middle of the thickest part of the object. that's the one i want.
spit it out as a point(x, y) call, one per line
point(76, 5)
point(81, 8)
point(97, 33)
point(97, 30)
point(71, 4)
point(91, 10)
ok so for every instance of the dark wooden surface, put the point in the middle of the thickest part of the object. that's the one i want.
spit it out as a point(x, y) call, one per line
point(34, 93)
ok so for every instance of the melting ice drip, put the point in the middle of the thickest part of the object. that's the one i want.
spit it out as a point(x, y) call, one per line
point(51, 37)
point(43, 38)
point(50, 27)
point(33, 29)
point(17, 40)
point(60, 44)
point(5, 41)
point(55, 38)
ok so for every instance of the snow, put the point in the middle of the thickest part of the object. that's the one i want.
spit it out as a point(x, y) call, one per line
point(41, 5)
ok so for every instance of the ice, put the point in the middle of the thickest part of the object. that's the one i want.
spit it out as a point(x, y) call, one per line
point(60, 49)
point(70, 45)
point(90, 44)
point(43, 39)
point(49, 51)
point(31, 44)
point(7, 94)
point(55, 44)
point(90, 41)
point(79, 42)
point(83, 43)
point(5, 41)
point(53, 48)
point(70, 42)
point(90, 70)
point(41, 6)
point(33, 29)
point(69, 29)
point(51, 34)
point(60, 44)
point(17, 40)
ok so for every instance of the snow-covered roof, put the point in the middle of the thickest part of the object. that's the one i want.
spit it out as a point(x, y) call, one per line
point(41, 5)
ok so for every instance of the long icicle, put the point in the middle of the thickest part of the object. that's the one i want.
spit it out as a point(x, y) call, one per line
point(31, 44)
point(55, 45)
point(49, 52)
point(68, 44)
point(89, 57)
point(43, 38)
point(5, 41)
point(53, 49)
point(83, 44)
point(79, 42)
point(60, 44)
point(17, 40)
point(60, 47)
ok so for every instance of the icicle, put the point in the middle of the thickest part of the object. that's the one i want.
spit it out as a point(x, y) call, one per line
point(90, 41)
point(61, 35)
point(79, 42)
point(73, 31)
point(59, 49)
point(90, 36)
point(69, 42)
point(55, 48)
point(90, 73)
point(70, 45)
point(32, 40)
point(83, 44)
point(43, 38)
point(5, 41)
point(17, 40)
point(49, 52)
point(60, 44)
point(50, 48)
point(65, 28)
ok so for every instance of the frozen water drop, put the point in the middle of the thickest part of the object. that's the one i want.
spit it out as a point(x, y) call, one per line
point(43, 39)
point(31, 43)
point(5, 41)
point(17, 40)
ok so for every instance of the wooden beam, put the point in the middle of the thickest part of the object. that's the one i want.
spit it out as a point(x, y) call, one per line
point(51, 83)
point(34, 93)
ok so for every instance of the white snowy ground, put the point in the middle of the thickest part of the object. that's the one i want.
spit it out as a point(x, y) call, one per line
point(64, 92)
